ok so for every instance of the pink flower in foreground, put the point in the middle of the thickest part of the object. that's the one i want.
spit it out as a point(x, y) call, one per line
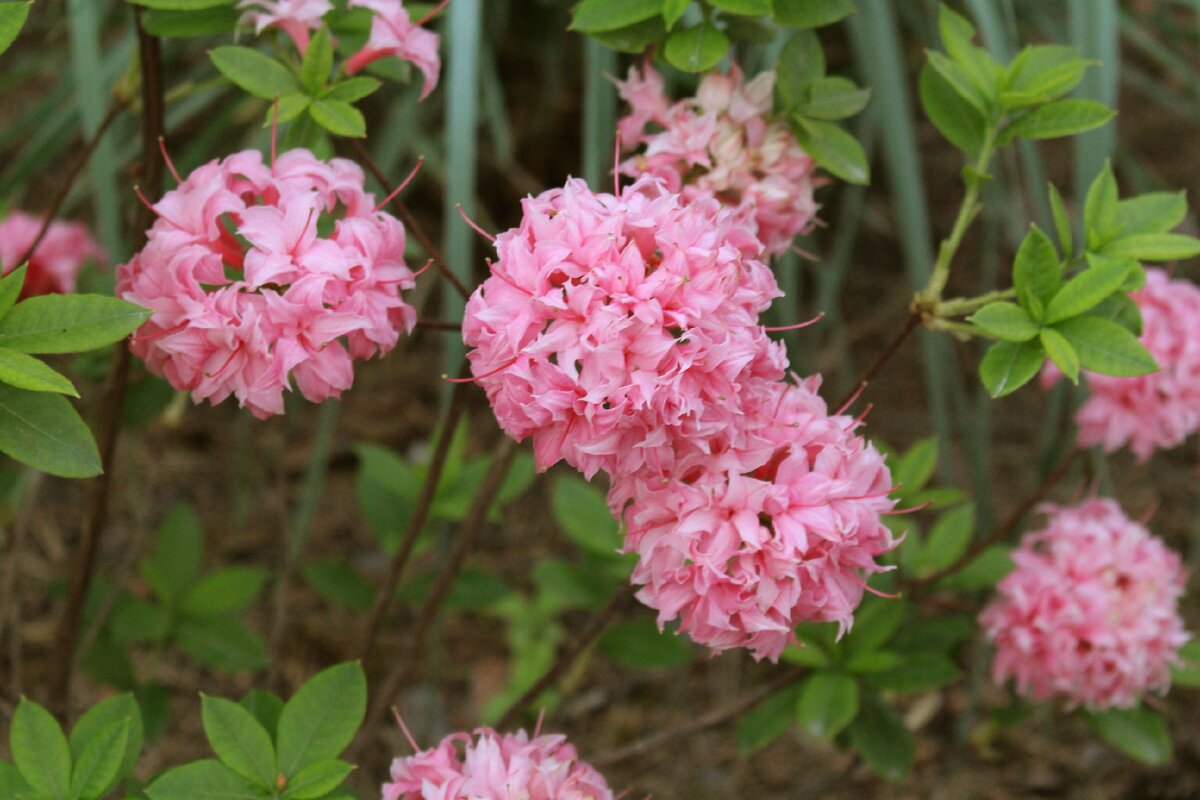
point(1090, 613)
point(742, 555)
point(394, 34)
point(1159, 410)
point(492, 766)
point(294, 17)
point(613, 327)
point(722, 143)
point(260, 274)
point(55, 264)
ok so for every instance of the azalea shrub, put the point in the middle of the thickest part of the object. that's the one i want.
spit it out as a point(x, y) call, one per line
point(691, 488)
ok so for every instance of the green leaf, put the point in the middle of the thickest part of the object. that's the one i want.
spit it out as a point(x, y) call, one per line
point(955, 118)
point(583, 515)
point(938, 635)
point(875, 661)
point(801, 62)
point(266, 708)
point(1044, 72)
point(12, 19)
point(768, 720)
point(639, 643)
point(673, 10)
point(747, 8)
point(137, 620)
point(224, 592)
point(1062, 222)
point(1061, 352)
point(12, 785)
point(1088, 289)
point(959, 79)
point(322, 717)
point(317, 780)
point(949, 538)
point(68, 323)
point(805, 656)
point(1106, 347)
point(174, 563)
point(26, 372)
point(318, 61)
point(1138, 732)
point(1037, 272)
point(1145, 247)
point(93, 725)
point(920, 672)
point(633, 38)
point(339, 582)
point(916, 466)
point(207, 779)
point(1100, 208)
point(1156, 212)
point(811, 13)
point(10, 288)
point(289, 108)
point(1005, 321)
point(45, 432)
point(181, 5)
point(834, 98)
point(339, 118)
point(983, 572)
point(1187, 673)
point(221, 643)
point(696, 49)
point(99, 763)
point(1060, 118)
point(834, 149)
point(1007, 366)
point(352, 90)
point(40, 750)
point(596, 16)
point(185, 24)
point(256, 73)
point(874, 623)
point(1121, 309)
point(828, 704)
point(880, 737)
point(239, 740)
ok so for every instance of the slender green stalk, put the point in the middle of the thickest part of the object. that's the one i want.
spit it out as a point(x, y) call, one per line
point(1094, 28)
point(965, 306)
point(599, 113)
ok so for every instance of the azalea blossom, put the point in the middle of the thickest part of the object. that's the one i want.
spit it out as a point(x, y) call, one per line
point(54, 265)
point(722, 143)
point(490, 766)
point(1090, 612)
point(742, 553)
point(260, 274)
point(394, 34)
point(296, 18)
point(1156, 411)
point(612, 327)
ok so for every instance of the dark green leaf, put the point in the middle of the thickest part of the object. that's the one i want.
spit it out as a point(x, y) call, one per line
point(811, 13)
point(597, 16)
point(135, 619)
point(40, 750)
point(807, 656)
point(639, 643)
point(12, 19)
point(633, 38)
point(99, 763)
point(222, 643)
point(1119, 308)
point(583, 515)
point(834, 98)
point(239, 740)
point(1106, 347)
point(181, 5)
point(834, 149)
point(949, 538)
point(174, 564)
point(10, 288)
point(919, 673)
point(955, 118)
point(207, 779)
point(768, 720)
point(748, 8)
point(874, 623)
point(100, 717)
point(339, 582)
point(45, 432)
point(1061, 352)
point(26, 372)
point(828, 704)
point(318, 61)
point(1138, 732)
point(1007, 366)
point(1088, 289)
point(1005, 321)
point(938, 635)
point(1060, 118)
point(875, 661)
point(224, 592)
point(1187, 672)
point(322, 717)
point(206, 22)
point(68, 323)
point(696, 49)
point(983, 572)
point(266, 708)
point(12, 785)
point(256, 73)
point(1037, 272)
point(339, 118)
point(317, 780)
point(880, 737)
point(801, 62)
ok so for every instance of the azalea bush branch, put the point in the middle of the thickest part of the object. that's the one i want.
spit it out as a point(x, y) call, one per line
point(98, 490)
point(911, 323)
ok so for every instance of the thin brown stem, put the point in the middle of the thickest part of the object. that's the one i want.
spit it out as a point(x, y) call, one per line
point(712, 719)
point(910, 325)
point(410, 221)
point(98, 490)
point(1005, 528)
point(416, 521)
point(567, 657)
point(65, 189)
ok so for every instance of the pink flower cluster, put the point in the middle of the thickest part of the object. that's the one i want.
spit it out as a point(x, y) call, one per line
point(393, 33)
point(1160, 410)
point(492, 766)
point(55, 263)
point(722, 143)
point(622, 334)
point(259, 274)
point(1090, 613)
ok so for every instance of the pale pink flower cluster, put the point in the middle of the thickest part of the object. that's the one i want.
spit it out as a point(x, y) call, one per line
point(622, 334)
point(722, 143)
point(296, 18)
point(260, 274)
point(55, 263)
point(492, 766)
point(1159, 410)
point(1089, 614)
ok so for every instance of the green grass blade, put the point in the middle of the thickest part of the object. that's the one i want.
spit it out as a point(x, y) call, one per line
point(599, 113)
point(1094, 27)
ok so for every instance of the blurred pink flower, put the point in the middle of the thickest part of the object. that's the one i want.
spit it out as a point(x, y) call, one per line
point(722, 143)
point(1156, 411)
point(294, 17)
point(741, 552)
point(492, 766)
point(612, 327)
point(1090, 613)
point(260, 274)
point(394, 34)
point(55, 264)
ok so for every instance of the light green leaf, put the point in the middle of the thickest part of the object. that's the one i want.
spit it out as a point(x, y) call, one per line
point(983, 572)
point(92, 726)
point(207, 779)
point(99, 764)
point(256, 73)
point(696, 49)
point(266, 708)
point(40, 750)
point(12, 19)
point(1062, 222)
point(239, 740)
point(955, 118)
point(1005, 321)
point(68, 323)
point(811, 13)
point(949, 538)
point(1088, 289)
point(916, 466)
point(320, 720)
point(880, 737)
point(12, 785)
point(768, 720)
point(1061, 352)
point(339, 118)
point(318, 61)
point(1037, 272)
point(1149, 247)
point(805, 656)
point(1138, 732)
point(45, 432)
point(1187, 673)
point(1106, 347)
point(747, 8)
point(1060, 118)
point(1121, 309)
point(673, 10)
point(583, 515)
point(1044, 72)
point(317, 780)
point(352, 90)
point(1100, 208)
point(1156, 212)
point(596, 16)
point(10, 288)
point(290, 107)
point(834, 149)
point(26, 372)
point(828, 704)
point(1007, 366)
point(960, 80)
point(225, 591)
point(639, 643)
point(633, 38)
point(834, 98)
